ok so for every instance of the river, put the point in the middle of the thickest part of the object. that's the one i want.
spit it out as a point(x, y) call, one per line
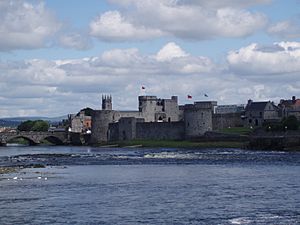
point(84, 185)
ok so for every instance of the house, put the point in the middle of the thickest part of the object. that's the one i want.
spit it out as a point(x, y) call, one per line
point(257, 113)
point(290, 107)
point(82, 121)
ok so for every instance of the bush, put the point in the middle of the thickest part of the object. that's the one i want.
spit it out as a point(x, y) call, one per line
point(38, 125)
point(289, 123)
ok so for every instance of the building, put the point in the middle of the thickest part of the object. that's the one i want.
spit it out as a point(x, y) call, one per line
point(227, 116)
point(225, 109)
point(198, 118)
point(257, 113)
point(290, 107)
point(82, 121)
point(155, 119)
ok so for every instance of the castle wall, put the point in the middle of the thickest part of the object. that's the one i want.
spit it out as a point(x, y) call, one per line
point(127, 128)
point(171, 108)
point(135, 114)
point(132, 128)
point(148, 106)
point(100, 123)
point(155, 109)
point(198, 118)
point(160, 131)
point(113, 132)
point(221, 121)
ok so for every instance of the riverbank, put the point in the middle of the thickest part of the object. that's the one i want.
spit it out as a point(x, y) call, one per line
point(5, 170)
point(176, 144)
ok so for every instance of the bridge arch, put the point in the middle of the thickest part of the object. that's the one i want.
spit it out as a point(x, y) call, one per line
point(30, 140)
point(54, 140)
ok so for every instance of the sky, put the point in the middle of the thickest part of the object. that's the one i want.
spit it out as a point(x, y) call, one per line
point(59, 56)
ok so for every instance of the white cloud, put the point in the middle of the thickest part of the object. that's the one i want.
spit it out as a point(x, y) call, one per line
point(280, 58)
point(112, 26)
point(25, 25)
point(75, 40)
point(59, 87)
point(197, 20)
point(169, 52)
point(285, 29)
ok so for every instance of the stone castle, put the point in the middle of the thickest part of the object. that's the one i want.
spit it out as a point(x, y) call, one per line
point(158, 119)
point(155, 119)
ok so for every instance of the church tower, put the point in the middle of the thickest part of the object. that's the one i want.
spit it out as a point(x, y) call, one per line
point(106, 102)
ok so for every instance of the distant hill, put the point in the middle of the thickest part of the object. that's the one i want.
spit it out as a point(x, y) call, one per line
point(15, 121)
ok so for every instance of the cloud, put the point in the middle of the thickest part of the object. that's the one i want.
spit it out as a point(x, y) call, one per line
point(59, 87)
point(25, 25)
point(285, 29)
point(169, 52)
point(148, 19)
point(112, 26)
point(281, 58)
point(75, 40)
point(211, 4)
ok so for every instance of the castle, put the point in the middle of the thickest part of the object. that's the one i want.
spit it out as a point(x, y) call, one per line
point(155, 119)
point(158, 119)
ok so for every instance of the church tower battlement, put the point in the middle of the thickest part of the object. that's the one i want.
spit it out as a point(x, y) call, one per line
point(106, 102)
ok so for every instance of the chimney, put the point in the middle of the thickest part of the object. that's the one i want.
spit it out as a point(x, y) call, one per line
point(250, 102)
point(294, 98)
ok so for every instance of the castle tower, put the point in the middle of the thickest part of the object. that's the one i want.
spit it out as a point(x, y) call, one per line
point(106, 102)
point(198, 118)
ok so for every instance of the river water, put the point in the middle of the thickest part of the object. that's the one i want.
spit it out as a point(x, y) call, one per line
point(83, 185)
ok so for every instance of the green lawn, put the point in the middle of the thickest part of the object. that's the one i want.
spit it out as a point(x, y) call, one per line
point(237, 130)
point(177, 144)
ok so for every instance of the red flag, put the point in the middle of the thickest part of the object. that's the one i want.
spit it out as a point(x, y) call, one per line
point(189, 97)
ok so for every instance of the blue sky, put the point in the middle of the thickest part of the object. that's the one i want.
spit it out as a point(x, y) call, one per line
point(56, 53)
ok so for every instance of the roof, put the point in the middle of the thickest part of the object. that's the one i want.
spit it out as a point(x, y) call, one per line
point(290, 103)
point(256, 106)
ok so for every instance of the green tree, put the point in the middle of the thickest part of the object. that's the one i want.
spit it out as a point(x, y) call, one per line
point(38, 125)
point(290, 123)
point(26, 126)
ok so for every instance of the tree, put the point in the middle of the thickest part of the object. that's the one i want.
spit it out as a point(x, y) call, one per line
point(38, 125)
point(290, 123)
point(25, 126)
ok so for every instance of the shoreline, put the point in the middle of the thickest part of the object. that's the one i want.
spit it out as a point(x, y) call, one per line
point(9, 169)
point(174, 144)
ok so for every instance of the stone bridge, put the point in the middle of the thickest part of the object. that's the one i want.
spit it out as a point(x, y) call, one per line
point(34, 138)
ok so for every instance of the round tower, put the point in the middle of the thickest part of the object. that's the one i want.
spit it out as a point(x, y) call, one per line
point(198, 119)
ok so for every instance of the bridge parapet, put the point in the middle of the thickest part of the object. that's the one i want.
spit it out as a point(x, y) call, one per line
point(34, 137)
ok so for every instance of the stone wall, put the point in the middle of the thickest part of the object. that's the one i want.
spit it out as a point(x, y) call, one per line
point(221, 121)
point(160, 131)
point(100, 122)
point(198, 118)
point(132, 128)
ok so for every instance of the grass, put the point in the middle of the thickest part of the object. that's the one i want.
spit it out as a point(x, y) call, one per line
point(4, 170)
point(177, 144)
point(237, 130)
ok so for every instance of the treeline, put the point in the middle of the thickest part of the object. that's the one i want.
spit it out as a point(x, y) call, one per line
point(37, 125)
point(289, 123)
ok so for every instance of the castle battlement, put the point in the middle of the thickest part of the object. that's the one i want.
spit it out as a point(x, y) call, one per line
point(156, 117)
